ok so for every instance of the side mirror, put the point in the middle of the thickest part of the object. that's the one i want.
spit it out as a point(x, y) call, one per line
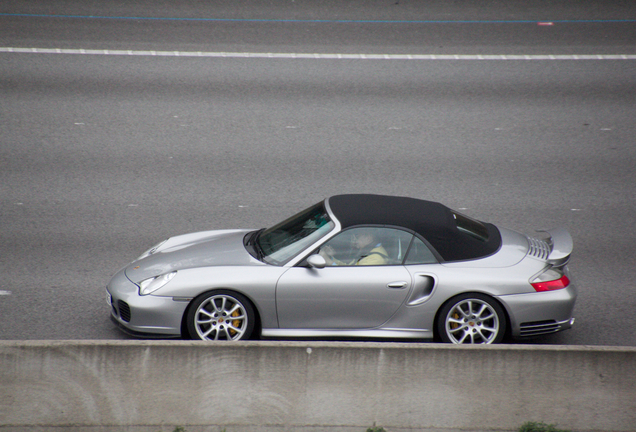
point(316, 261)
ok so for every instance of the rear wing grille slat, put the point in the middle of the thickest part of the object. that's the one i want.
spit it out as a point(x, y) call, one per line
point(539, 248)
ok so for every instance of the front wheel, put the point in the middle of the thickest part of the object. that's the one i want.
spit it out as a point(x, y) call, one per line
point(220, 315)
point(471, 319)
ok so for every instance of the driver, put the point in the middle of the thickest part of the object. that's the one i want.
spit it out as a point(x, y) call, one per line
point(369, 251)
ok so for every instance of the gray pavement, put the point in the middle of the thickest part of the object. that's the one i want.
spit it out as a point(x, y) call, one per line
point(103, 156)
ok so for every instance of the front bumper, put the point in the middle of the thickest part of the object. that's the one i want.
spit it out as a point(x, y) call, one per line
point(143, 315)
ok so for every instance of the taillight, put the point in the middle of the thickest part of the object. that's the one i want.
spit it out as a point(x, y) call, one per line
point(551, 285)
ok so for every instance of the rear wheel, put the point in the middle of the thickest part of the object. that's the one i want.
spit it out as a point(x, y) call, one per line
point(220, 315)
point(471, 319)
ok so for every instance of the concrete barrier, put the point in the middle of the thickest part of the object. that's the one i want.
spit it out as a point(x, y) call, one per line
point(312, 386)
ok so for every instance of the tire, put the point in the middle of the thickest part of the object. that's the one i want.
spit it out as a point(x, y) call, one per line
point(220, 315)
point(471, 319)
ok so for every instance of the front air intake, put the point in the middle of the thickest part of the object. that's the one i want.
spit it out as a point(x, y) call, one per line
point(124, 310)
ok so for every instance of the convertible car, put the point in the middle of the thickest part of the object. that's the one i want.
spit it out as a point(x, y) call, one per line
point(352, 266)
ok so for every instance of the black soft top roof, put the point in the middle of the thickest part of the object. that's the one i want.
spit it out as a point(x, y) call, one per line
point(433, 221)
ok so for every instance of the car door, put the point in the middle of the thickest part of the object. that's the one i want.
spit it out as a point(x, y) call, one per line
point(347, 294)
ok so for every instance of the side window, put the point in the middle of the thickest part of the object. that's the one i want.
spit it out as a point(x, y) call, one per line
point(366, 246)
point(420, 253)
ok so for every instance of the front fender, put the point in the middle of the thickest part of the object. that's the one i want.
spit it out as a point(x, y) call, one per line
point(257, 283)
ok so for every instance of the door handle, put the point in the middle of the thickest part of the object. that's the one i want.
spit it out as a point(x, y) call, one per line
point(397, 285)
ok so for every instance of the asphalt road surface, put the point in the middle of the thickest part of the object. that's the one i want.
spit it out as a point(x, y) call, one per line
point(125, 123)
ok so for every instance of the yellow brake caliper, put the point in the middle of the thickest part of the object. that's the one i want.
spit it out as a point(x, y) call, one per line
point(454, 325)
point(235, 323)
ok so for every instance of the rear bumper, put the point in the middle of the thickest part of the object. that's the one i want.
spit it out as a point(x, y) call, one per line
point(538, 313)
point(537, 328)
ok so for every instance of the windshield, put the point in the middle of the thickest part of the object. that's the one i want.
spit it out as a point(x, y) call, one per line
point(283, 241)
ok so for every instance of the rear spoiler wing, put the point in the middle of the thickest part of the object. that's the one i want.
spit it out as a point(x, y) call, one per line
point(561, 246)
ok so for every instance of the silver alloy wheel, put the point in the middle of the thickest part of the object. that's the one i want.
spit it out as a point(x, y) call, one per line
point(472, 321)
point(221, 317)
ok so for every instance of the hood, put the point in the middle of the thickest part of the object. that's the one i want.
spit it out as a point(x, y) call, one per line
point(203, 249)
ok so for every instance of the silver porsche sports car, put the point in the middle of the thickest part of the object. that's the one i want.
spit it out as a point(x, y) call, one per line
point(352, 266)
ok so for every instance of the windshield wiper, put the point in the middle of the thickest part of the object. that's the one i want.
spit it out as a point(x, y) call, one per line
point(252, 243)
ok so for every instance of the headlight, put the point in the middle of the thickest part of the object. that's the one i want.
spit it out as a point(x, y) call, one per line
point(153, 284)
point(151, 250)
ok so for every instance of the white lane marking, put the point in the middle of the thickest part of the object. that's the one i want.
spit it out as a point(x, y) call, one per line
point(322, 56)
point(5, 293)
point(321, 21)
